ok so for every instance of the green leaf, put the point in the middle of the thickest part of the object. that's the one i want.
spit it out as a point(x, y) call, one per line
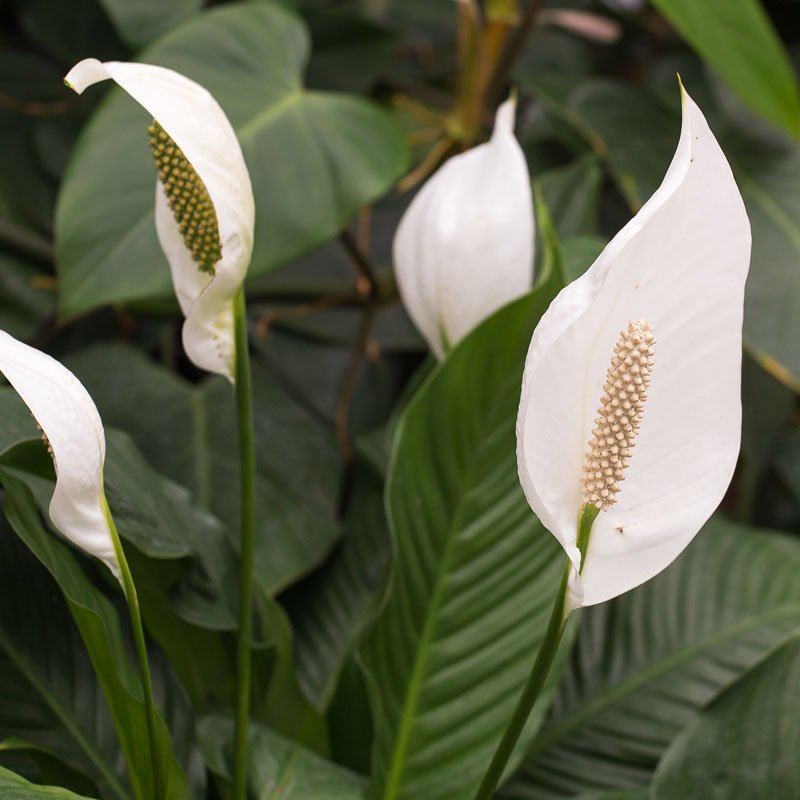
point(140, 22)
point(331, 609)
point(753, 725)
point(646, 661)
point(12, 787)
point(24, 303)
point(279, 769)
point(737, 39)
point(51, 768)
point(572, 194)
point(314, 158)
point(188, 433)
point(475, 573)
point(100, 630)
point(48, 692)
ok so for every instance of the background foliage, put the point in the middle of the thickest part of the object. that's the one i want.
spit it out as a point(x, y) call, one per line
point(393, 636)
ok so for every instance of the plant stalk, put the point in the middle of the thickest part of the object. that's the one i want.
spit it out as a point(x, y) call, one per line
point(244, 413)
point(132, 599)
point(536, 680)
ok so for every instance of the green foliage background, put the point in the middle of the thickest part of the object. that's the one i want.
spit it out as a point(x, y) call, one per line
point(403, 583)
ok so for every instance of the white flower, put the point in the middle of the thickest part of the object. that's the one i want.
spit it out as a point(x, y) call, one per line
point(72, 428)
point(668, 291)
point(189, 126)
point(464, 247)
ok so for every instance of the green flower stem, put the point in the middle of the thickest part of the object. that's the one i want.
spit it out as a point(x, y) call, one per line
point(244, 409)
point(544, 660)
point(541, 667)
point(586, 519)
point(132, 599)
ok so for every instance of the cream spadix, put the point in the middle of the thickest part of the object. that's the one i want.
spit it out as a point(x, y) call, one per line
point(204, 208)
point(654, 454)
point(464, 247)
point(69, 421)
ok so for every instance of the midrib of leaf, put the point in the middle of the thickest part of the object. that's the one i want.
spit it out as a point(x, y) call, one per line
point(675, 659)
point(394, 779)
point(251, 127)
point(285, 774)
point(65, 718)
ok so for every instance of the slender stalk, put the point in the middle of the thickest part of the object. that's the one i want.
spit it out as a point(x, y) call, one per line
point(541, 667)
point(132, 599)
point(244, 409)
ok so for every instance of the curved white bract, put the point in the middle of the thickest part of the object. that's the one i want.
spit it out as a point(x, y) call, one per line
point(195, 122)
point(68, 418)
point(464, 247)
point(680, 264)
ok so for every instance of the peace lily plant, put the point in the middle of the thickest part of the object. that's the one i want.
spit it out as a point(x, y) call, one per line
point(73, 431)
point(204, 216)
point(629, 420)
point(464, 247)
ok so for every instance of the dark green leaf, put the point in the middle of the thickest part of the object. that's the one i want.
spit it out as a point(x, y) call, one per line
point(279, 769)
point(188, 433)
point(100, 630)
point(745, 743)
point(48, 692)
point(140, 22)
point(572, 194)
point(645, 662)
point(331, 609)
point(737, 39)
point(314, 158)
point(13, 787)
point(475, 573)
point(24, 302)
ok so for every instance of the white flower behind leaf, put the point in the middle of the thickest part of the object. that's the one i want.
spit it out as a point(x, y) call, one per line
point(630, 403)
point(204, 209)
point(464, 247)
point(73, 431)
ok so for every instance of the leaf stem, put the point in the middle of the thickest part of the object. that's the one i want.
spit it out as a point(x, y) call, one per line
point(132, 599)
point(244, 409)
point(536, 680)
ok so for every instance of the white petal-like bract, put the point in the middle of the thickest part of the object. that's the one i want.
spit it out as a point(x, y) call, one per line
point(680, 264)
point(68, 418)
point(464, 247)
point(196, 123)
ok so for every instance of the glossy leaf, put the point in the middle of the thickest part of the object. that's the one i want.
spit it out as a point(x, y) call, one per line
point(756, 724)
point(331, 609)
point(314, 158)
point(188, 433)
point(474, 573)
point(141, 22)
point(101, 633)
point(13, 787)
point(279, 769)
point(737, 39)
point(645, 662)
point(48, 692)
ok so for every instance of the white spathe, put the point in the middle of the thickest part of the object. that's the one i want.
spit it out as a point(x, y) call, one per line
point(197, 124)
point(68, 417)
point(464, 247)
point(681, 264)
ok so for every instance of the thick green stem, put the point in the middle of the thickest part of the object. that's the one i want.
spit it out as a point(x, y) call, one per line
point(244, 409)
point(132, 599)
point(541, 667)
